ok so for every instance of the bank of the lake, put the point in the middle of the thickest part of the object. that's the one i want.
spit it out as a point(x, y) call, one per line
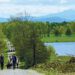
point(59, 39)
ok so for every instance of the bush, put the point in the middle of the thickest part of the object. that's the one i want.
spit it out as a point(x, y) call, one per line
point(72, 60)
point(50, 66)
point(68, 67)
point(52, 52)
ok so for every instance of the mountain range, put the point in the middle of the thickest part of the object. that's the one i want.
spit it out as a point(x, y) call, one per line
point(68, 15)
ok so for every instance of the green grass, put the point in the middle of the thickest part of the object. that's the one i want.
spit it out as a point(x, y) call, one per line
point(64, 58)
point(47, 72)
point(52, 72)
point(63, 38)
point(67, 73)
point(57, 73)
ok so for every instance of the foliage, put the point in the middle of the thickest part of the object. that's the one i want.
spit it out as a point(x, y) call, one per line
point(47, 29)
point(2, 41)
point(52, 52)
point(68, 32)
point(25, 38)
point(68, 67)
point(63, 38)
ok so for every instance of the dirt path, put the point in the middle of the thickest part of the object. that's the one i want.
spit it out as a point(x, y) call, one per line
point(19, 72)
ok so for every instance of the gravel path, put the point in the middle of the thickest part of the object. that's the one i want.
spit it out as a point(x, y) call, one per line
point(19, 72)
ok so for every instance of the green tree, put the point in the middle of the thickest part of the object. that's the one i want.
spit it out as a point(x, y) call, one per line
point(26, 39)
point(2, 40)
point(68, 32)
point(56, 32)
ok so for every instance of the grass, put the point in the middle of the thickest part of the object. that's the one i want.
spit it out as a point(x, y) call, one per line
point(52, 72)
point(64, 58)
point(63, 38)
point(57, 73)
point(47, 72)
point(67, 73)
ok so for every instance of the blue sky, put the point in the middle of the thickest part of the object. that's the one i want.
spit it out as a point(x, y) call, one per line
point(34, 7)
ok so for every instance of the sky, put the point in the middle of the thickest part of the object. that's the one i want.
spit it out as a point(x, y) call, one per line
point(9, 8)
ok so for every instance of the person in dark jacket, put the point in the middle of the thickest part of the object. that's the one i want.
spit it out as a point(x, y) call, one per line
point(14, 59)
point(2, 61)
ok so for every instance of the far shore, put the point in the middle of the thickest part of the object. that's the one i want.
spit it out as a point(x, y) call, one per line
point(58, 39)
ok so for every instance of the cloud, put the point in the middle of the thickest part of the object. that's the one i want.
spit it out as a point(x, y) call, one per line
point(33, 2)
point(4, 1)
point(34, 7)
point(44, 2)
point(38, 2)
point(63, 1)
point(32, 10)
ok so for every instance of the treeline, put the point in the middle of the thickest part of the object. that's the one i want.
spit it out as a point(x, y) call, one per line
point(57, 29)
point(45, 29)
point(2, 40)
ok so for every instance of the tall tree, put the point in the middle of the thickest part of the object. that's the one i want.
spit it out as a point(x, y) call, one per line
point(68, 32)
point(26, 39)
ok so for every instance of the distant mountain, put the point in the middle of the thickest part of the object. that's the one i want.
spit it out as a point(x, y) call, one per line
point(68, 15)
point(3, 19)
point(50, 19)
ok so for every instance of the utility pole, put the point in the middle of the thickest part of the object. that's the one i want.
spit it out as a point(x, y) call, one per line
point(34, 52)
point(33, 45)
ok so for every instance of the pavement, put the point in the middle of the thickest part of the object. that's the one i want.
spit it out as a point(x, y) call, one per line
point(19, 72)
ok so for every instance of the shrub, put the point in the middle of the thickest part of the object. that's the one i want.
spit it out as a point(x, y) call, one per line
point(68, 67)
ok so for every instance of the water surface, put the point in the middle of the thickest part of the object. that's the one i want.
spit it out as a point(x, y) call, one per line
point(63, 48)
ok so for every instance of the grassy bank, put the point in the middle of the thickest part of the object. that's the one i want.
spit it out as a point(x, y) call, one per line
point(47, 71)
point(59, 38)
point(61, 66)
point(53, 72)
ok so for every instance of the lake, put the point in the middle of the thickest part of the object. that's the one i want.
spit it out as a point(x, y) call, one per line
point(63, 48)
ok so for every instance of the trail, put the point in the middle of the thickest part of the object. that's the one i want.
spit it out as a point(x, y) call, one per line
point(19, 72)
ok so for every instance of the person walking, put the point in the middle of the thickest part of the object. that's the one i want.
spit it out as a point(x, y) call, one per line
point(14, 59)
point(9, 63)
point(17, 63)
point(2, 61)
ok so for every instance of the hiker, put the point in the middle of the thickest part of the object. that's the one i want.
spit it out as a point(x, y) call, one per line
point(14, 59)
point(2, 61)
point(9, 64)
point(17, 62)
